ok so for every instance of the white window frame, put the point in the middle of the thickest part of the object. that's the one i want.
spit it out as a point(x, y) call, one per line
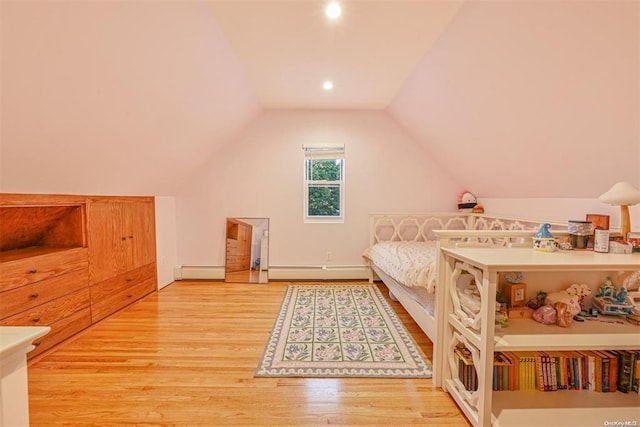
point(328, 152)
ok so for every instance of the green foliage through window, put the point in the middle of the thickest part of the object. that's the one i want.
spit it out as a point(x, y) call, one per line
point(324, 179)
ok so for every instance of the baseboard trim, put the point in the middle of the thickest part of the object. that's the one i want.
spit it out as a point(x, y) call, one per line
point(191, 272)
point(348, 272)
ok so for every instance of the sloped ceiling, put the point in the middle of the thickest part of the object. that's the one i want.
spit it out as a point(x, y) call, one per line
point(290, 47)
point(531, 99)
point(115, 97)
point(514, 98)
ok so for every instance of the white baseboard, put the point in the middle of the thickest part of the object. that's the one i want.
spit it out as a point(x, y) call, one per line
point(353, 272)
point(192, 272)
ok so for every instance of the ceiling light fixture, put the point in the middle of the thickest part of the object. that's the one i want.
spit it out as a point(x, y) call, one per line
point(327, 85)
point(333, 10)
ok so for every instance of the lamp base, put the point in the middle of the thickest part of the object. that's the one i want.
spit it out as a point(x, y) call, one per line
point(625, 221)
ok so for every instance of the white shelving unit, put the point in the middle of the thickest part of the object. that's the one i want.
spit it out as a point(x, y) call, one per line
point(485, 407)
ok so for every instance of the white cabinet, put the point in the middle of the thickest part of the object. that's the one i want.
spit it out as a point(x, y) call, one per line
point(486, 407)
point(15, 343)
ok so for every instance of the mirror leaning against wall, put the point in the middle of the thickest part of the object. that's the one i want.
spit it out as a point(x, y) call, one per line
point(247, 250)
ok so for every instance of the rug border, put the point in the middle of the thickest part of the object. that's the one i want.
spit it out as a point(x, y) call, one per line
point(422, 369)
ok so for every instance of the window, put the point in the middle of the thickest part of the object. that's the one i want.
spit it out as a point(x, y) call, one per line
point(323, 183)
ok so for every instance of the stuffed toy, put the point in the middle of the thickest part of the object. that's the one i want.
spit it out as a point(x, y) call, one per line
point(466, 202)
point(572, 301)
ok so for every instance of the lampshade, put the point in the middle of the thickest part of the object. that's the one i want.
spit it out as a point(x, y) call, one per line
point(622, 194)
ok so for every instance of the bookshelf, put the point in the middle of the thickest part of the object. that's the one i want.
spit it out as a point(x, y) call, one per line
point(548, 271)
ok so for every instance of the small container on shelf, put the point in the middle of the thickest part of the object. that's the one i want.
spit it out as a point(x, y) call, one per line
point(543, 240)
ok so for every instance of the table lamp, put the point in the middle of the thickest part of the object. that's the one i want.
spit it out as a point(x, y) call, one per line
point(622, 194)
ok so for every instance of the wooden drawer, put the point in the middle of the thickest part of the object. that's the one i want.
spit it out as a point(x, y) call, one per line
point(102, 307)
point(31, 296)
point(61, 330)
point(112, 286)
point(23, 271)
point(49, 313)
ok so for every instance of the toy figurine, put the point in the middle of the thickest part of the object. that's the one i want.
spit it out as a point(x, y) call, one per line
point(621, 297)
point(466, 202)
point(607, 289)
point(543, 240)
point(611, 301)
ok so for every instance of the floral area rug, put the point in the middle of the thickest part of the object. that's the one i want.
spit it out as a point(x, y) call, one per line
point(340, 331)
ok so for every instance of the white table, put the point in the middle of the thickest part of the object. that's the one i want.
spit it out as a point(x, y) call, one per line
point(15, 343)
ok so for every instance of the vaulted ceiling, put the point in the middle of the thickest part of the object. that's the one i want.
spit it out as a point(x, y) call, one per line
point(289, 48)
point(139, 94)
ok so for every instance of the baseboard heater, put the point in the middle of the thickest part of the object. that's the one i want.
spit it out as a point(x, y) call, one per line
point(320, 272)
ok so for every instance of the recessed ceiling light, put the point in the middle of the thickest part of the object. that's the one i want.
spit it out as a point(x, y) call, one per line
point(327, 85)
point(333, 10)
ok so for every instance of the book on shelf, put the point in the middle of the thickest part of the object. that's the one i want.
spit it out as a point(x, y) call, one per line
point(540, 371)
point(603, 371)
point(466, 370)
point(627, 364)
point(635, 373)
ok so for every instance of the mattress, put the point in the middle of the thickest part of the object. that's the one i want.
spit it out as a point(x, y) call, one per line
point(411, 264)
point(424, 298)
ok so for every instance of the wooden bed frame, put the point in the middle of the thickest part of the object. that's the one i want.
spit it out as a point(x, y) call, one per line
point(446, 229)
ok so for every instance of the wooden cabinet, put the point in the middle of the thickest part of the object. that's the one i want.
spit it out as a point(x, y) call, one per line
point(477, 332)
point(121, 236)
point(70, 261)
point(238, 249)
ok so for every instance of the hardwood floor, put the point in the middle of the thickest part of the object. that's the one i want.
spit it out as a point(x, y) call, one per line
point(247, 276)
point(186, 356)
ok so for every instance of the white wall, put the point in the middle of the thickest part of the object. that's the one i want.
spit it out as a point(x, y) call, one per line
point(556, 209)
point(166, 239)
point(260, 175)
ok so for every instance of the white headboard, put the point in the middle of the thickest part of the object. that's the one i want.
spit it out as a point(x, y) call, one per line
point(399, 226)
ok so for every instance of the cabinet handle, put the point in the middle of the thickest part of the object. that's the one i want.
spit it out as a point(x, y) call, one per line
point(129, 279)
point(37, 343)
point(33, 271)
point(34, 296)
point(129, 296)
point(124, 237)
point(35, 319)
point(131, 237)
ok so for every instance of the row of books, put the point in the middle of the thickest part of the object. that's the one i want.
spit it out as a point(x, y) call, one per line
point(601, 371)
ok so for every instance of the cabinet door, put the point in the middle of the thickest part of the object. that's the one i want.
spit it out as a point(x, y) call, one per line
point(139, 218)
point(121, 237)
point(106, 240)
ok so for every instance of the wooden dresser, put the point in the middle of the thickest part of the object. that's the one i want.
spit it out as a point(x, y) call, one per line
point(238, 250)
point(70, 261)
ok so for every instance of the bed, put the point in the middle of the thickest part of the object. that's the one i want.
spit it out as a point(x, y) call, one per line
point(403, 253)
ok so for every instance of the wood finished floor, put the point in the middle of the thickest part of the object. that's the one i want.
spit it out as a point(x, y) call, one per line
point(186, 356)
